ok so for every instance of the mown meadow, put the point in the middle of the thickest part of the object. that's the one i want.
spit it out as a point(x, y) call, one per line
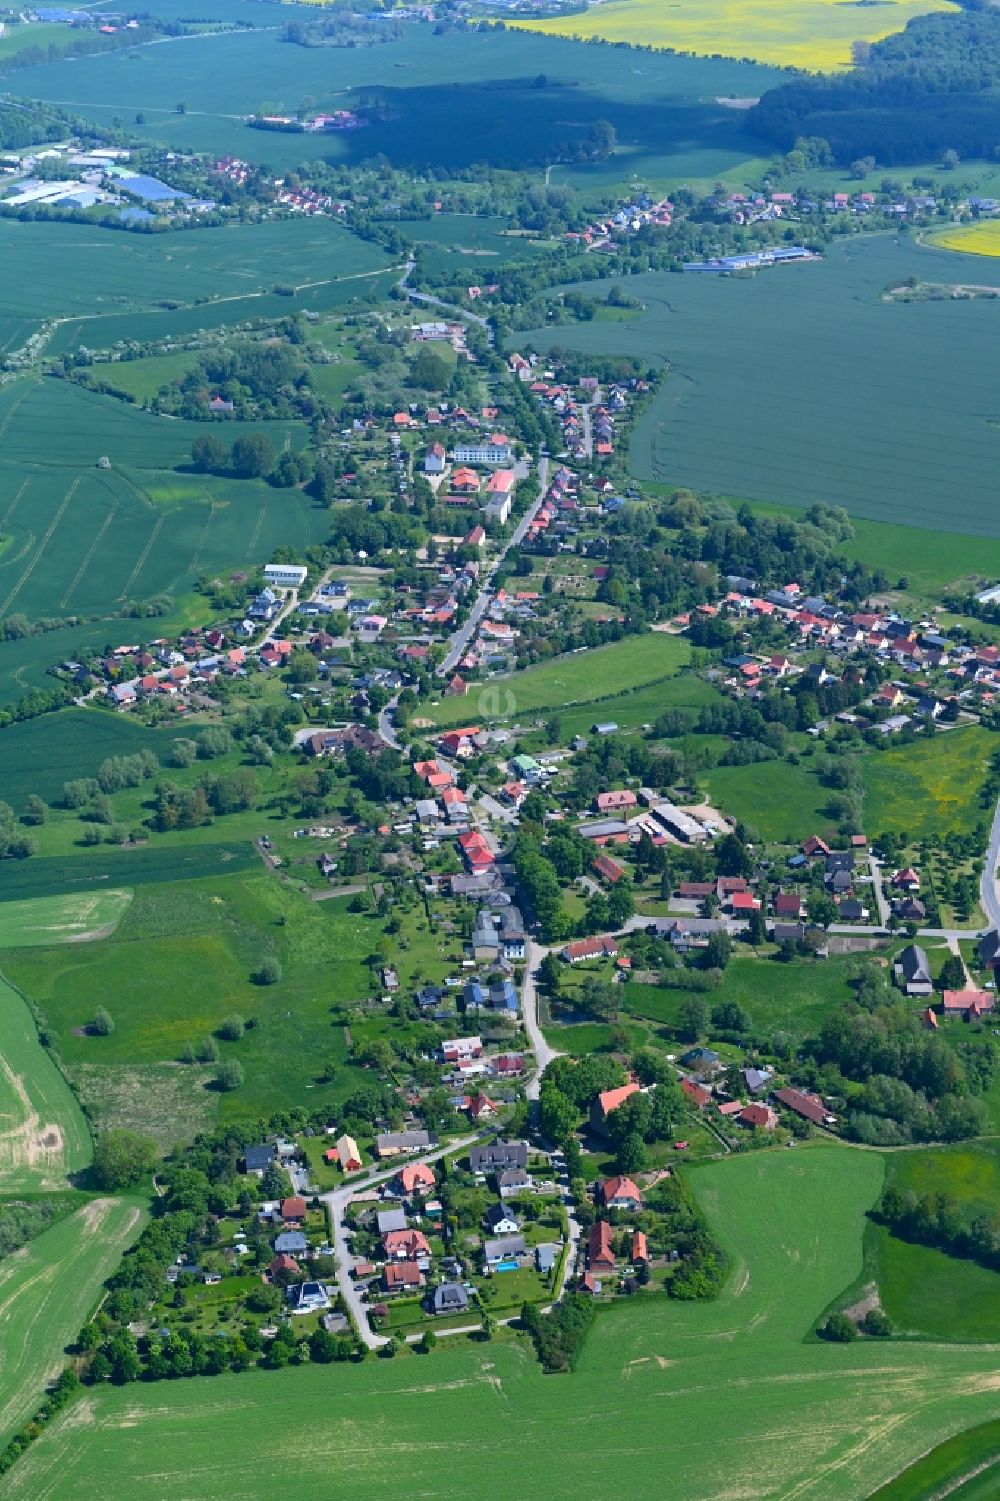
point(687, 1398)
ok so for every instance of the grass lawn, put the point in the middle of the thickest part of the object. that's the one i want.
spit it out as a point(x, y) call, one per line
point(580, 678)
point(145, 378)
point(43, 1135)
point(810, 34)
point(793, 997)
point(782, 803)
point(918, 790)
point(659, 1377)
point(927, 1292)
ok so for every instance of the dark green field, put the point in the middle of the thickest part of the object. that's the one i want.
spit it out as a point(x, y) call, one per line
point(828, 393)
point(39, 755)
point(52, 875)
point(81, 540)
point(452, 99)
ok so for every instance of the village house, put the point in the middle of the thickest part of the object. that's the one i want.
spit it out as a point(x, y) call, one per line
point(600, 1256)
point(606, 1103)
point(621, 1193)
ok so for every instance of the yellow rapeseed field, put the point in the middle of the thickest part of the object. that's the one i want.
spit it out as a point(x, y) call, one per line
point(810, 34)
point(973, 239)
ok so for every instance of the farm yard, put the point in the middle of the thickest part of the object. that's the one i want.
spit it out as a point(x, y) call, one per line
point(661, 1379)
point(811, 34)
point(860, 427)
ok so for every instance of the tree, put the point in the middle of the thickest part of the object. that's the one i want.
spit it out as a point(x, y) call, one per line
point(230, 1075)
point(209, 455)
point(692, 1018)
point(208, 1051)
point(36, 811)
point(428, 1342)
point(822, 909)
point(952, 976)
point(557, 1115)
point(839, 1328)
point(123, 1158)
point(489, 1326)
point(950, 160)
point(267, 973)
point(103, 1022)
point(756, 929)
point(550, 976)
point(876, 1323)
point(621, 903)
point(252, 455)
point(718, 951)
point(732, 857)
point(233, 1027)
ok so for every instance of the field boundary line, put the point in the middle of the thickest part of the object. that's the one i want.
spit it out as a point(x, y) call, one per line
point(14, 503)
point(41, 548)
point(15, 405)
point(196, 558)
point(258, 528)
point(144, 554)
point(28, 544)
point(90, 553)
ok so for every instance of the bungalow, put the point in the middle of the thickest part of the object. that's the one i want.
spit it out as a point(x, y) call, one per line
point(402, 1276)
point(608, 869)
point(600, 1256)
point(589, 948)
point(546, 1257)
point(621, 1193)
point(607, 1102)
point(906, 879)
point(348, 1155)
point(395, 1143)
point(481, 1108)
point(789, 904)
point(449, 1297)
point(500, 1252)
point(291, 1243)
point(283, 1265)
point(809, 1106)
point(388, 1220)
point(967, 1003)
point(508, 1065)
point(258, 1159)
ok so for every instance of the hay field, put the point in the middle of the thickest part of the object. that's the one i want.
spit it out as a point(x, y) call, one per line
point(61, 919)
point(43, 1135)
point(812, 34)
point(690, 1401)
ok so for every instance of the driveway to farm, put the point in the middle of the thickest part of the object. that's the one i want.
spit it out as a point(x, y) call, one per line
point(336, 1201)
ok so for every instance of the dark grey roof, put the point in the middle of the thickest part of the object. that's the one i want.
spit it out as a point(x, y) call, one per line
point(450, 1297)
point(497, 1155)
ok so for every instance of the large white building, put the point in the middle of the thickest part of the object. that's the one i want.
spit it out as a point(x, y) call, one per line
point(285, 575)
point(483, 453)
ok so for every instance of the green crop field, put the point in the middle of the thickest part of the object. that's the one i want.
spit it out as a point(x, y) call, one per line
point(143, 379)
point(215, 935)
point(61, 919)
point(963, 1468)
point(781, 802)
point(85, 540)
point(581, 678)
point(46, 1293)
point(43, 1135)
point(663, 108)
point(929, 788)
point(677, 1388)
point(863, 427)
point(117, 273)
point(52, 875)
point(39, 755)
point(793, 998)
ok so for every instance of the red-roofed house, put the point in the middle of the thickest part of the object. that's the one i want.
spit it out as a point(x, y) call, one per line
point(968, 1003)
point(402, 1276)
point(761, 1117)
point(405, 1245)
point(478, 855)
point(589, 948)
point(788, 904)
point(600, 1256)
point(621, 1193)
point(608, 869)
point(815, 846)
point(639, 1252)
point(607, 1102)
point(293, 1210)
point(696, 1093)
point(612, 802)
point(415, 1177)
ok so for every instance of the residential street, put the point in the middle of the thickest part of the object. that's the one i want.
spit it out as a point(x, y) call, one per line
point(534, 954)
point(989, 894)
